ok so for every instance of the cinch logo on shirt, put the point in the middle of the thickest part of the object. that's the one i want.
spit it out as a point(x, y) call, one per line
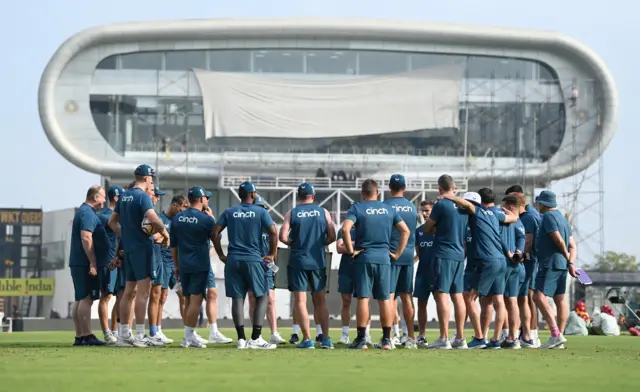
point(521, 230)
point(376, 211)
point(487, 212)
point(240, 214)
point(308, 214)
point(403, 208)
point(469, 239)
point(126, 198)
point(188, 219)
point(426, 244)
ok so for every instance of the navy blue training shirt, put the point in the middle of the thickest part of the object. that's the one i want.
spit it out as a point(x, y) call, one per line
point(424, 244)
point(245, 224)
point(521, 238)
point(451, 224)
point(346, 262)
point(485, 230)
point(132, 207)
point(407, 211)
point(190, 233)
point(166, 252)
point(531, 224)
point(308, 235)
point(374, 222)
point(548, 252)
point(85, 219)
point(470, 251)
point(112, 239)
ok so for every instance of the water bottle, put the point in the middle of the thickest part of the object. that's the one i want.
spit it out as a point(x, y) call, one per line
point(273, 267)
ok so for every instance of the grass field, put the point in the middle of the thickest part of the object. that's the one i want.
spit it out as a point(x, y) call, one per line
point(45, 361)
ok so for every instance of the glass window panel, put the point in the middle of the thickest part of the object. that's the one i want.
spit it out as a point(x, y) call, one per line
point(108, 63)
point(381, 63)
point(282, 61)
point(230, 60)
point(428, 60)
point(331, 62)
point(546, 73)
point(142, 60)
point(182, 60)
point(483, 67)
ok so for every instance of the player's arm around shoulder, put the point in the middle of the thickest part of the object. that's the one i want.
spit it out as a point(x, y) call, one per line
point(331, 228)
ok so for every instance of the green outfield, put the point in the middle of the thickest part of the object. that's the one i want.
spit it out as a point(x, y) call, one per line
point(46, 362)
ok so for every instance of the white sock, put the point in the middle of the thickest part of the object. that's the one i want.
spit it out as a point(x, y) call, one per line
point(159, 328)
point(296, 329)
point(366, 331)
point(188, 333)
point(119, 328)
point(213, 329)
point(126, 331)
point(318, 330)
point(345, 330)
point(139, 329)
point(505, 332)
point(396, 329)
point(534, 334)
point(403, 325)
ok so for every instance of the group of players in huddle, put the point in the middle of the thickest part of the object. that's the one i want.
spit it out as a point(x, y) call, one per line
point(516, 257)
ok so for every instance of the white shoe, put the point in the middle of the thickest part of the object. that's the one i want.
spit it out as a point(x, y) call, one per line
point(276, 338)
point(560, 347)
point(524, 344)
point(367, 339)
point(537, 343)
point(110, 340)
point(410, 344)
point(554, 342)
point(395, 341)
point(403, 339)
point(242, 344)
point(142, 341)
point(125, 342)
point(199, 338)
point(344, 339)
point(422, 342)
point(440, 344)
point(219, 338)
point(192, 343)
point(163, 338)
point(260, 344)
point(459, 344)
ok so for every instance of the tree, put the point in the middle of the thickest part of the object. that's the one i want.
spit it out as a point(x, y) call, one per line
point(618, 262)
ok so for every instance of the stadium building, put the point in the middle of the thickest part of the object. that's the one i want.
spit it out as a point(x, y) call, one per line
point(215, 102)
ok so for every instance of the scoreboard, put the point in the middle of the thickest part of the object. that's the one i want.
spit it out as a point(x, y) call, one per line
point(20, 242)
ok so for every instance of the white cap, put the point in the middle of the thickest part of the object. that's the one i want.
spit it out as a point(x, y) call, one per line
point(473, 197)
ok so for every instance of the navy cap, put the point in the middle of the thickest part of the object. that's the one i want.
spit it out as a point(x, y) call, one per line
point(306, 189)
point(114, 191)
point(157, 191)
point(145, 171)
point(196, 192)
point(208, 194)
point(547, 199)
point(397, 181)
point(247, 187)
point(259, 201)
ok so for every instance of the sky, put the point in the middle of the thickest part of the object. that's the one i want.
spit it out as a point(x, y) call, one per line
point(35, 175)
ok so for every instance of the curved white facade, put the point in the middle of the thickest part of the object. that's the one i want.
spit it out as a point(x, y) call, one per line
point(66, 87)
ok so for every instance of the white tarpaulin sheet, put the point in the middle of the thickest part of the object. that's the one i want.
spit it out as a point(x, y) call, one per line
point(246, 105)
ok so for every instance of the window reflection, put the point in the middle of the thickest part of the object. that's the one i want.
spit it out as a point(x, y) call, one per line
point(381, 63)
point(497, 68)
point(108, 63)
point(331, 62)
point(282, 61)
point(230, 60)
point(186, 59)
point(428, 60)
point(142, 60)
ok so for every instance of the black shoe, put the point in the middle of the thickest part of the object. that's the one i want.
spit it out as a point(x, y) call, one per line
point(385, 344)
point(508, 344)
point(294, 338)
point(319, 338)
point(358, 344)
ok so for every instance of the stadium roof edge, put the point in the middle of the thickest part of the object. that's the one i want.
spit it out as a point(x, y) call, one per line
point(369, 29)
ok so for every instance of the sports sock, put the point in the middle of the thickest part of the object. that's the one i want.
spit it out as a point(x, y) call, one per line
point(188, 333)
point(403, 325)
point(119, 327)
point(534, 334)
point(240, 332)
point(396, 329)
point(555, 332)
point(296, 329)
point(386, 332)
point(139, 329)
point(367, 330)
point(345, 330)
point(318, 330)
point(361, 332)
point(256, 332)
point(153, 330)
point(213, 329)
point(106, 332)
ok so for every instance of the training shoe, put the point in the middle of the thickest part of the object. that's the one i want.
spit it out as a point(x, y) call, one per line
point(294, 338)
point(142, 341)
point(560, 347)
point(410, 344)
point(440, 344)
point(554, 342)
point(477, 344)
point(326, 344)
point(395, 341)
point(493, 345)
point(219, 338)
point(344, 339)
point(199, 338)
point(358, 344)
point(510, 344)
point(527, 343)
point(404, 338)
point(318, 339)
point(163, 337)
point(276, 338)
point(538, 343)
point(242, 344)
point(260, 344)
point(459, 344)
point(125, 342)
point(92, 340)
point(367, 339)
point(192, 343)
point(306, 344)
point(78, 341)
point(385, 344)
point(110, 340)
point(157, 340)
point(422, 342)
